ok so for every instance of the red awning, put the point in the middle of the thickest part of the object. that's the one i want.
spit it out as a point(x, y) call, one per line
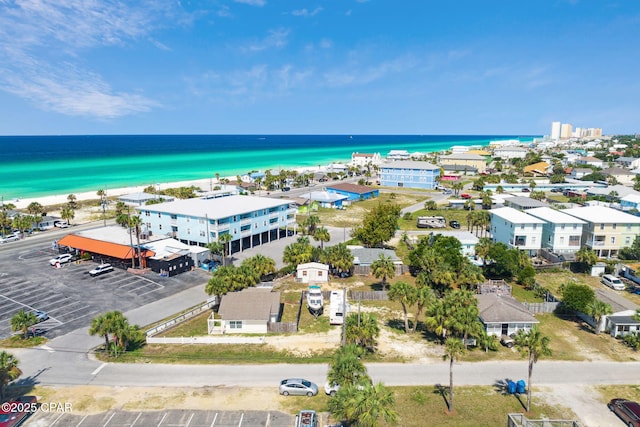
point(114, 250)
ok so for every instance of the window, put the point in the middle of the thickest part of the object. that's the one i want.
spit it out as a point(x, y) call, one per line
point(601, 226)
point(562, 227)
point(304, 273)
point(202, 234)
point(574, 240)
point(535, 226)
point(613, 240)
point(235, 324)
point(320, 273)
point(159, 215)
point(575, 226)
point(188, 231)
point(159, 226)
point(614, 226)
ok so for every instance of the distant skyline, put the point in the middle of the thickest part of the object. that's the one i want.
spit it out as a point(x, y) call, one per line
point(318, 67)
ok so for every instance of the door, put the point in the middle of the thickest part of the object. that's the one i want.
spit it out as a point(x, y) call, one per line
point(505, 329)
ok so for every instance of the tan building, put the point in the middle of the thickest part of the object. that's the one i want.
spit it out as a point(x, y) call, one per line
point(606, 230)
point(465, 160)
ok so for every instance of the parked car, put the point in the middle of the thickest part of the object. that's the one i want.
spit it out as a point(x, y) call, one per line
point(15, 412)
point(331, 389)
point(627, 410)
point(454, 224)
point(41, 315)
point(298, 386)
point(507, 341)
point(526, 190)
point(557, 190)
point(447, 191)
point(465, 196)
point(101, 269)
point(613, 282)
point(61, 259)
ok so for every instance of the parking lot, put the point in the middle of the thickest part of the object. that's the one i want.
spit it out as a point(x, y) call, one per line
point(70, 296)
point(174, 418)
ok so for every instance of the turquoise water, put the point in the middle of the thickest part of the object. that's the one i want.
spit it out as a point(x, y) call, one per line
point(35, 166)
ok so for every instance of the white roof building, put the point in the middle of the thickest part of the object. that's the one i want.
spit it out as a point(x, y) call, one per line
point(516, 229)
point(561, 233)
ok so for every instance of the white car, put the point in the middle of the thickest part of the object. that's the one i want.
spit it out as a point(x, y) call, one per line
point(41, 315)
point(10, 238)
point(100, 269)
point(61, 259)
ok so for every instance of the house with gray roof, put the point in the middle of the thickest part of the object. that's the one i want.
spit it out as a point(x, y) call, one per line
point(141, 198)
point(248, 311)
point(503, 315)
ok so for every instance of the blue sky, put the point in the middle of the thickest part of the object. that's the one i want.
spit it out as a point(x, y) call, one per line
point(318, 67)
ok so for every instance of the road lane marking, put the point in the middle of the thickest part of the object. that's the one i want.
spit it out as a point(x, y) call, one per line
point(83, 418)
point(190, 418)
point(241, 418)
point(215, 417)
point(56, 420)
point(98, 369)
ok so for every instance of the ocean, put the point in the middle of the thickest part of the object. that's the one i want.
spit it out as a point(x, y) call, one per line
point(37, 166)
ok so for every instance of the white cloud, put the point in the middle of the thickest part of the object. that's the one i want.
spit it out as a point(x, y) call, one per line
point(306, 13)
point(363, 75)
point(258, 3)
point(42, 43)
point(277, 38)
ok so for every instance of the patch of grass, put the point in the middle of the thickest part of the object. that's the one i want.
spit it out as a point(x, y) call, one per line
point(196, 326)
point(608, 392)
point(214, 353)
point(524, 295)
point(554, 280)
point(16, 341)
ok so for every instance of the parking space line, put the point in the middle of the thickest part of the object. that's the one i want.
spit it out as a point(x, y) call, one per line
point(215, 417)
point(139, 415)
point(163, 417)
point(83, 418)
point(109, 420)
point(268, 419)
point(56, 420)
point(241, 418)
point(189, 421)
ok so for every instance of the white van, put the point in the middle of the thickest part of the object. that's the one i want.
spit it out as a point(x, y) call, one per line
point(613, 282)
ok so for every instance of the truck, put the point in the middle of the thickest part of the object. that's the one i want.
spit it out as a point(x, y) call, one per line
point(337, 307)
point(431, 222)
point(307, 418)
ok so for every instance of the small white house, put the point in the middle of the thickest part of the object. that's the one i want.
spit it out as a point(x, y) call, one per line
point(516, 229)
point(246, 312)
point(312, 272)
point(504, 315)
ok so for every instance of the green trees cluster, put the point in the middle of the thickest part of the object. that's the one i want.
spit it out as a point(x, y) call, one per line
point(362, 330)
point(358, 402)
point(631, 252)
point(378, 225)
point(230, 278)
point(338, 257)
point(581, 298)
point(124, 335)
point(9, 371)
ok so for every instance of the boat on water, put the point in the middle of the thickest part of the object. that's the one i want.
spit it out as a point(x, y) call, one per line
point(315, 300)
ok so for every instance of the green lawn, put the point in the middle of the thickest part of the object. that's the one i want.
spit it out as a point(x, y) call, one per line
point(427, 406)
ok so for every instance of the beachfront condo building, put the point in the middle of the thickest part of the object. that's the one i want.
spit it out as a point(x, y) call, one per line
point(516, 229)
point(249, 220)
point(561, 233)
point(606, 230)
point(410, 174)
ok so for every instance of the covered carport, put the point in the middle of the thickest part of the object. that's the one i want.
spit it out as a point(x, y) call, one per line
point(116, 254)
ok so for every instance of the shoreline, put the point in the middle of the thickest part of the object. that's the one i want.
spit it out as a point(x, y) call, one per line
point(59, 199)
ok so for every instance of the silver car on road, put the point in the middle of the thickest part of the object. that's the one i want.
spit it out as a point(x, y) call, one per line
point(298, 386)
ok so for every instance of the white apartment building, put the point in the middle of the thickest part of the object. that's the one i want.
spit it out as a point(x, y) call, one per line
point(561, 233)
point(364, 159)
point(510, 152)
point(555, 130)
point(516, 229)
point(606, 230)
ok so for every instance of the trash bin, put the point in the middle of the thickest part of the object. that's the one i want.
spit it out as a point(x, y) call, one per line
point(521, 387)
point(511, 387)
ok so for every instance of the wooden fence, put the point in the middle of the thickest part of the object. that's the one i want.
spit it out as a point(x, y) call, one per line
point(541, 307)
point(368, 296)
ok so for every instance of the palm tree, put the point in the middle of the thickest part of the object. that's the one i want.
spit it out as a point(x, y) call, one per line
point(362, 330)
point(22, 320)
point(586, 257)
point(261, 265)
point(598, 309)
point(437, 319)
point(405, 294)
point(9, 370)
point(383, 267)
point(364, 405)
point(310, 223)
point(67, 214)
point(35, 208)
point(134, 225)
point(424, 298)
point(346, 367)
point(535, 345)
point(453, 350)
point(483, 247)
point(102, 325)
point(322, 235)
point(456, 187)
point(430, 205)
point(225, 239)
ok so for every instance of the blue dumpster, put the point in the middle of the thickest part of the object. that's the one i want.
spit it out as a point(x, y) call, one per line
point(521, 387)
point(511, 387)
